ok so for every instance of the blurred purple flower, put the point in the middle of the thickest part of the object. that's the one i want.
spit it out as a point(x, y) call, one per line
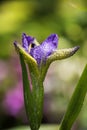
point(13, 101)
point(39, 52)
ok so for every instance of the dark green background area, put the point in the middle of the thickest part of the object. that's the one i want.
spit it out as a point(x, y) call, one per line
point(40, 18)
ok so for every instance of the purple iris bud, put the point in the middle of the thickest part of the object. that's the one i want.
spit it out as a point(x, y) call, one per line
point(40, 52)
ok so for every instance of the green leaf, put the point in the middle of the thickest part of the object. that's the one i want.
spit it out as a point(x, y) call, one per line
point(76, 102)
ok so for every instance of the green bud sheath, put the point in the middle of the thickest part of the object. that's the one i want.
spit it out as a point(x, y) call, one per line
point(33, 97)
point(62, 54)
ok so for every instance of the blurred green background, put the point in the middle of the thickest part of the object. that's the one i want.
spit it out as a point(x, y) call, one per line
point(40, 18)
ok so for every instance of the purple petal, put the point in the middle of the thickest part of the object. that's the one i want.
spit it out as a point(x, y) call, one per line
point(51, 41)
point(26, 41)
point(41, 52)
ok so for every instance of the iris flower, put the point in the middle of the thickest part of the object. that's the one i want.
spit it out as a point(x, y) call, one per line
point(40, 52)
point(38, 57)
point(42, 55)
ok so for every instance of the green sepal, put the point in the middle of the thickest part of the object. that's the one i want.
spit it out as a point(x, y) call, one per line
point(33, 97)
point(62, 54)
point(57, 55)
point(75, 103)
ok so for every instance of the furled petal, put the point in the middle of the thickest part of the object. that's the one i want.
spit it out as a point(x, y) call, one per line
point(26, 41)
point(41, 52)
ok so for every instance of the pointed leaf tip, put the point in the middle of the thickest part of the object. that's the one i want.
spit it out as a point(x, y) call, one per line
point(75, 49)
